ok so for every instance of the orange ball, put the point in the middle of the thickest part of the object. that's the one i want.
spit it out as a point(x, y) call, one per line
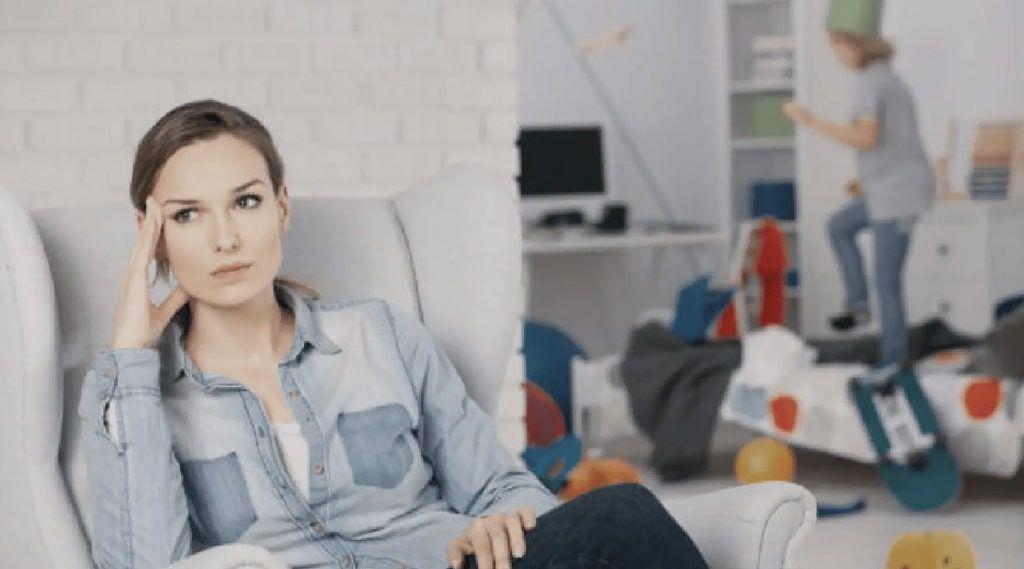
point(931, 550)
point(765, 459)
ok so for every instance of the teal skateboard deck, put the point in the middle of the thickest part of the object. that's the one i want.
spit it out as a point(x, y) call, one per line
point(913, 458)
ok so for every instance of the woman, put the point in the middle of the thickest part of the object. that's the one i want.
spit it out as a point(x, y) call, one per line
point(895, 184)
point(334, 434)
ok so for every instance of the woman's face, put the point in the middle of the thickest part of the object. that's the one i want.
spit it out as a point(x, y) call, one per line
point(220, 212)
point(845, 51)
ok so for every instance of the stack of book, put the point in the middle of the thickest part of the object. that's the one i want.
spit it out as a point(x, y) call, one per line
point(773, 58)
point(995, 149)
point(984, 160)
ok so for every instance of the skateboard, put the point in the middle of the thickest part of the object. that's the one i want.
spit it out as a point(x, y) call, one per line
point(913, 458)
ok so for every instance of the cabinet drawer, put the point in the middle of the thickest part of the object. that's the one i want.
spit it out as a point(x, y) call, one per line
point(948, 250)
point(962, 303)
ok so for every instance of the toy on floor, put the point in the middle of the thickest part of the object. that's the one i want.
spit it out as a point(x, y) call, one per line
point(551, 452)
point(544, 421)
point(836, 510)
point(931, 550)
point(760, 251)
point(553, 463)
point(764, 459)
point(548, 353)
point(915, 463)
point(593, 473)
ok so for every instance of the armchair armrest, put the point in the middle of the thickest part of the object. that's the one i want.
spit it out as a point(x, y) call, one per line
point(234, 556)
point(759, 526)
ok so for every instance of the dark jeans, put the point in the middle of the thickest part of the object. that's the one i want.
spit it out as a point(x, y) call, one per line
point(616, 527)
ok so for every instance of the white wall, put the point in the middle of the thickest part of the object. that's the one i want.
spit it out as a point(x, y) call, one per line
point(961, 59)
point(663, 85)
point(362, 96)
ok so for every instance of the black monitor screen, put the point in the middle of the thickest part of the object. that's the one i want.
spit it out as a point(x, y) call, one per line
point(561, 161)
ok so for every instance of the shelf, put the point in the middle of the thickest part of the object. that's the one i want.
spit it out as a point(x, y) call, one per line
point(537, 244)
point(763, 144)
point(757, 86)
point(754, 2)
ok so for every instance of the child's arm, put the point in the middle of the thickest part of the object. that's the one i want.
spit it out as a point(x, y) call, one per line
point(861, 134)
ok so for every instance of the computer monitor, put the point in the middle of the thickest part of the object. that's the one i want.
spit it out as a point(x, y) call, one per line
point(563, 167)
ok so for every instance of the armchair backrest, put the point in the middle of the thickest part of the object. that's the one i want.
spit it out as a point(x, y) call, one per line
point(447, 250)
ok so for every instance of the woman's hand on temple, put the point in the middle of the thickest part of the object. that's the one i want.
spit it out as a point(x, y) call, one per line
point(493, 539)
point(139, 322)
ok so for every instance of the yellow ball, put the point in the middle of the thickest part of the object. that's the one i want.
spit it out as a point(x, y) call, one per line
point(765, 459)
point(931, 550)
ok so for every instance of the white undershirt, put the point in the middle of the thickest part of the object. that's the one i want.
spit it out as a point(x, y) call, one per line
point(295, 453)
point(294, 448)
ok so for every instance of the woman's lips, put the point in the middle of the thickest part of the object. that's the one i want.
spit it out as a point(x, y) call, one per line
point(231, 274)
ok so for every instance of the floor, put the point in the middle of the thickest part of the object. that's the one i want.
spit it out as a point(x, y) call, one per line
point(990, 511)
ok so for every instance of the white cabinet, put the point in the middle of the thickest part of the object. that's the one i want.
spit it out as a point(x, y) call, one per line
point(964, 258)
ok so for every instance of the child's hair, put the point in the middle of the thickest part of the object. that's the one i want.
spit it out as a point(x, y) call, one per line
point(190, 123)
point(869, 48)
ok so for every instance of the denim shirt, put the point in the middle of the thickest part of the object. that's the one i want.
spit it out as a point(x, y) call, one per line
point(400, 458)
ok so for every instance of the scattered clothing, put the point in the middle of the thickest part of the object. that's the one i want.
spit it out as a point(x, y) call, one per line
point(676, 389)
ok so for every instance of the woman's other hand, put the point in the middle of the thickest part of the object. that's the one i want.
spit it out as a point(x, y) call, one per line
point(139, 322)
point(493, 540)
point(797, 113)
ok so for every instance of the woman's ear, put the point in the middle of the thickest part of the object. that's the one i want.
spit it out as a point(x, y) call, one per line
point(282, 204)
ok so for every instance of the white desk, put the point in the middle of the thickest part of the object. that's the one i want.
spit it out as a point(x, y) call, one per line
point(535, 244)
point(545, 243)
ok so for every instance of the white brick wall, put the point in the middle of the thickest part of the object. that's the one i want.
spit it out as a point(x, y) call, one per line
point(362, 96)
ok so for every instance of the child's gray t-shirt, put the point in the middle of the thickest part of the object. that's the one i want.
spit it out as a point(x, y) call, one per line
point(896, 175)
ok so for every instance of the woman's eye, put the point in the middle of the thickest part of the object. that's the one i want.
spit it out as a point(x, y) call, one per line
point(184, 215)
point(249, 201)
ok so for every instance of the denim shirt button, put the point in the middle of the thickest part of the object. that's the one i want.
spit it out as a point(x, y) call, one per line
point(316, 527)
point(109, 373)
point(318, 469)
point(293, 393)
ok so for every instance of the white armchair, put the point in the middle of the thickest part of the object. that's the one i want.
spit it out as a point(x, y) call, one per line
point(448, 249)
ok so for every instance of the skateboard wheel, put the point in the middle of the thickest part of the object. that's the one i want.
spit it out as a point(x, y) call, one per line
point(918, 461)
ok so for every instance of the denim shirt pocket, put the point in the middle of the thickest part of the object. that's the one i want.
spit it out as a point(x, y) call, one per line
point(220, 507)
point(378, 444)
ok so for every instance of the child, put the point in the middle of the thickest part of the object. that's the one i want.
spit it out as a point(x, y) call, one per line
point(895, 182)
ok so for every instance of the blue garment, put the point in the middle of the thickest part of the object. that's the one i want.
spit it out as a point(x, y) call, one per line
point(615, 527)
point(400, 459)
point(891, 242)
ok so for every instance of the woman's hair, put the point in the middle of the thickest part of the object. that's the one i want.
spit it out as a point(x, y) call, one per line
point(869, 49)
point(190, 123)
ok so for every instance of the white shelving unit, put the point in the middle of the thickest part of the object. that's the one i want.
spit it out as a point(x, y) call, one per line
point(749, 158)
point(761, 86)
point(762, 143)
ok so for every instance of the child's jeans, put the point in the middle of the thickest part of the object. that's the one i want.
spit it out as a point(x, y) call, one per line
point(616, 527)
point(892, 240)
